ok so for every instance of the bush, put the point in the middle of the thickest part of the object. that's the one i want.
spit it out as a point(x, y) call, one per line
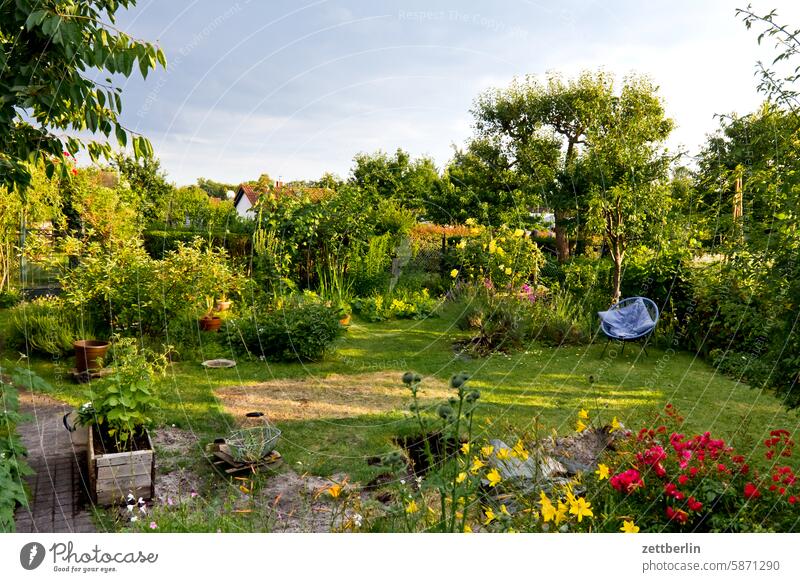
point(158, 243)
point(301, 328)
point(396, 305)
point(507, 321)
point(674, 482)
point(46, 326)
point(9, 299)
point(125, 291)
point(504, 257)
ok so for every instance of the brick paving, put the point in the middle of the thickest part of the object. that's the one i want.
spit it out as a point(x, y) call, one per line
point(59, 502)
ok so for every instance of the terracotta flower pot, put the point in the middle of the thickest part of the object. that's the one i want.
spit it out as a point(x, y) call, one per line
point(345, 321)
point(210, 323)
point(89, 355)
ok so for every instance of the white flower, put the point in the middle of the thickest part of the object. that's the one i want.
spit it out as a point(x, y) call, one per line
point(130, 508)
point(134, 518)
point(358, 519)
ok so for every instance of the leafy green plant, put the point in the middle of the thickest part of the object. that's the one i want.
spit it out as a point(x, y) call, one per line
point(12, 452)
point(46, 325)
point(400, 304)
point(300, 328)
point(122, 403)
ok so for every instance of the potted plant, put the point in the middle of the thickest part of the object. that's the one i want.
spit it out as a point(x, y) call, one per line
point(344, 313)
point(223, 304)
point(209, 321)
point(121, 458)
point(89, 355)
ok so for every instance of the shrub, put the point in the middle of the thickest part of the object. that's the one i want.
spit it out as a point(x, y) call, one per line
point(46, 325)
point(125, 291)
point(507, 321)
point(9, 298)
point(504, 257)
point(302, 328)
point(396, 305)
point(158, 243)
point(674, 482)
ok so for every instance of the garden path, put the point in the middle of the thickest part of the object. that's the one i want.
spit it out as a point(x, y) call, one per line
point(59, 499)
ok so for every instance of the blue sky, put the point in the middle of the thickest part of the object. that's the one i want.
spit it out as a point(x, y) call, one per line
point(297, 88)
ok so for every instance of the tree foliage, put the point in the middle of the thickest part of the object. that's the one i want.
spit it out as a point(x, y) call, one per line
point(51, 54)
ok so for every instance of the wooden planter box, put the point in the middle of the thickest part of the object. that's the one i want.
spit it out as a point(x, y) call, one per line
point(112, 476)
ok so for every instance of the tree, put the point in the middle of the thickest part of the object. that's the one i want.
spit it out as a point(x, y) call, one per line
point(50, 53)
point(147, 181)
point(215, 189)
point(484, 182)
point(398, 177)
point(628, 168)
point(529, 117)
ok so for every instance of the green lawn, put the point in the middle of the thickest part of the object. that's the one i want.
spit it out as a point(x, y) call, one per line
point(549, 383)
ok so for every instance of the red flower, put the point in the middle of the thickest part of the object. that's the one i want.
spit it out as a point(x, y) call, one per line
point(74, 172)
point(792, 499)
point(627, 481)
point(694, 504)
point(751, 491)
point(677, 515)
point(721, 468)
point(683, 479)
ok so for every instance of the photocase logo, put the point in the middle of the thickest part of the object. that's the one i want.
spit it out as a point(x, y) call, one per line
point(31, 555)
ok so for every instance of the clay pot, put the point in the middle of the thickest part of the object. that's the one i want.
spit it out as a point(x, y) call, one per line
point(210, 323)
point(223, 305)
point(89, 355)
point(345, 321)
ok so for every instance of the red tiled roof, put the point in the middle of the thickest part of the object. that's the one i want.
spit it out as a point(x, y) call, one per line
point(248, 191)
point(314, 194)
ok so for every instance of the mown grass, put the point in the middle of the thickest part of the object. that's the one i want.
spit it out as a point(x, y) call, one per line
point(548, 384)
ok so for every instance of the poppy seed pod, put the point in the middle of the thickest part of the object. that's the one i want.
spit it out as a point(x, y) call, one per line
point(444, 411)
point(408, 377)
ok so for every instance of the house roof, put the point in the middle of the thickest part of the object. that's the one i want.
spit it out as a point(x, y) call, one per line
point(279, 191)
point(246, 190)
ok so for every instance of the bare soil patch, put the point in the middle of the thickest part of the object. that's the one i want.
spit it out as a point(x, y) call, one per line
point(334, 396)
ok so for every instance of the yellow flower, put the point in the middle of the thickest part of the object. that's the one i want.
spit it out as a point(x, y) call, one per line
point(465, 448)
point(581, 508)
point(462, 244)
point(519, 232)
point(508, 270)
point(503, 454)
point(629, 527)
point(614, 424)
point(494, 477)
point(584, 414)
point(519, 451)
point(461, 477)
point(412, 507)
point(454, 273)
point(487, 450)
point(476, 466)
point(579, 426)
point(467, 529)
point(561, 514)
point(490, 516)
point(548, 510)
point(504, 510)
point(492, 247)
point(334, 490)
point(602, 472)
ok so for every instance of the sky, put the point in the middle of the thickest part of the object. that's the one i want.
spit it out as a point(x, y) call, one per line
point(297, 88)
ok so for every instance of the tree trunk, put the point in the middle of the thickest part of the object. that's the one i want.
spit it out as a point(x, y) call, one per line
point(616, 255)
point(562, 242)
